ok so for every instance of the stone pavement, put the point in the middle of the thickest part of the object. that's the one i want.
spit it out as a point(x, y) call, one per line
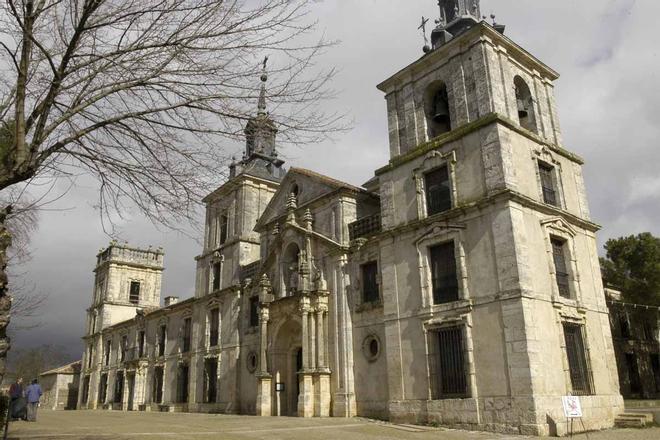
point(108, 425)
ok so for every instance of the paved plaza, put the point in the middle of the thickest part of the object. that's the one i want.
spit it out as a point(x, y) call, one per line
point(107, 425)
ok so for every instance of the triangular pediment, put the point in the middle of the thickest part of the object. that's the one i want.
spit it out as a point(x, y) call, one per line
point(310, 186)
point(560, 225)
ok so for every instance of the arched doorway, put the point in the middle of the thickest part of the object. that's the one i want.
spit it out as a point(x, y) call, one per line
point(286, 356)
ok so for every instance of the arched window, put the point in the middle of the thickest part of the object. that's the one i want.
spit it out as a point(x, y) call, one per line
point(525, 105)
point(436, 107)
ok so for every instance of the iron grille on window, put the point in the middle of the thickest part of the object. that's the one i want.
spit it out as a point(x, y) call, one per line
point(141, 342)
point(210, 380)
point(443, 273)
point(370, 282)
point(134, 295)
point(187, 335)
point(364, 227)
point(158, 384)
point(216, 275)
point(224, 222)
point(85, 390)
point(447, 363)
point(214, 324)
point(547, 184)
point(103, 388)
point(119, 387)
point(123, 348)
point(162, 337)
point(561, 270)
point(438, 193)
point(578, 364)
point(254, 311)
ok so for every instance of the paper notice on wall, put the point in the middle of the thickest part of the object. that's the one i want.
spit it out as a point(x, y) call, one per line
point(572, 407)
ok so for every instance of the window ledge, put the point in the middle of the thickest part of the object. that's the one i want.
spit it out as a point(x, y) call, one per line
point(367, 306)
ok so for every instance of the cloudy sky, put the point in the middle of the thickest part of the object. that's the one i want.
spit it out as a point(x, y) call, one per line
point(609, 103)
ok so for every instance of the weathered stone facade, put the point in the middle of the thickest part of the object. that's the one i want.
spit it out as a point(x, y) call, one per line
point(460, 286)
point(636, 335)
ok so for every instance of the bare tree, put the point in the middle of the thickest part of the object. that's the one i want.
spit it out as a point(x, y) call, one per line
point(142, 94)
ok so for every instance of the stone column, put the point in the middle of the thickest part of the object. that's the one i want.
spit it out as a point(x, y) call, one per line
point(305, 378)
point(264, 397)
point(312, 341)
point(322, 396)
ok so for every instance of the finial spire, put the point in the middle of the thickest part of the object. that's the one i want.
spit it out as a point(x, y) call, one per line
point(261, 107)
point(422, 26)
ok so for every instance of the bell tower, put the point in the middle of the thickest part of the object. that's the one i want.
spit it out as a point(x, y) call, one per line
point(232, 210)
point(482, 202)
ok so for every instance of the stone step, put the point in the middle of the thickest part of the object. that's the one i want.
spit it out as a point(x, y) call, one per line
point(648, 417)
point(633, 420)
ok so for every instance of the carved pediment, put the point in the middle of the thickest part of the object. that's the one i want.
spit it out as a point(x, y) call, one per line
point(560, 225)
point(439, 228)
point(307, 185)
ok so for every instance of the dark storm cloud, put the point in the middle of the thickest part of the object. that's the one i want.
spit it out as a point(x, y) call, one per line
point(608, 97)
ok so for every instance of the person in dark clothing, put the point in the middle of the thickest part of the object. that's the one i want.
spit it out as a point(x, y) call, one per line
point(33, 394)
point(15, 393)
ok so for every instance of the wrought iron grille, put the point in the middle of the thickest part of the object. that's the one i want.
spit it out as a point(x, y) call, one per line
point(447, 363)
point(187, 335)
point(561, 270)
point(214, 324)
point(443, 273)
point(216, 275)
point(578, 364)
point(364, 227)
point(370, 282)
point(548, 184)
point(249, 271)
point(438, 193)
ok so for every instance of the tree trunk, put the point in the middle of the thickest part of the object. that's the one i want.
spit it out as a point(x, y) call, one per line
point(5, 298)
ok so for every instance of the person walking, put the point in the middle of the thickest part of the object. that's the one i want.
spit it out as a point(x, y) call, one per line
point(33, 394)
point(15, 393)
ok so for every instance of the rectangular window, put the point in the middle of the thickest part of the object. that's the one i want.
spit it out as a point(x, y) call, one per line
point(370, 282)
point(210, 380)
point(217, 266)
point(103, 388)
point(214, 327)
point(162, 340)
point(654, 359)
point(546, 172)
point(157, 396)
point(141, 343)
point(447, 363)
point(124, 348)
point(438, 191)
point(561, 269)
point(254, 311)
point(443, 273)
point(649, 331)
point(134, 294)
point(119, 387)
point(85, 390)
point(187, 335)
point(224, 229)
point(106, 352)
point(182, 383)
point(634, 381)
point(90, 355)
point(624, 327)
point(578, 364)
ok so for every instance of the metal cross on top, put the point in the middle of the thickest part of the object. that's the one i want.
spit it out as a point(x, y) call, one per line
point(423, 28)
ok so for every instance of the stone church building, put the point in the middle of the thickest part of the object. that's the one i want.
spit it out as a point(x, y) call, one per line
point(459, 286)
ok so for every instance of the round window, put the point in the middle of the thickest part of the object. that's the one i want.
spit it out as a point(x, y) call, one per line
point(371, 347)
point(252, 361)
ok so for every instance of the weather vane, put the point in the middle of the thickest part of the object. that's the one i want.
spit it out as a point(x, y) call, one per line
point(265, 61)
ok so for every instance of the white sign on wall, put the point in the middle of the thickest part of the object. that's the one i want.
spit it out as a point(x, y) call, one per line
point(572, 407)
